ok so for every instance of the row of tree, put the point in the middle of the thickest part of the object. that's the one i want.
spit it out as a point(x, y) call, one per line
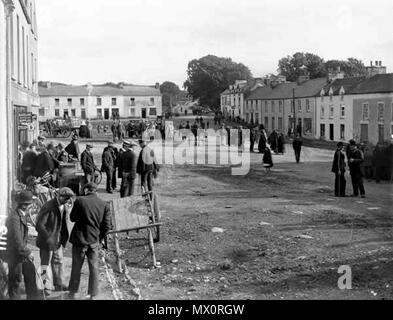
point(209, 76)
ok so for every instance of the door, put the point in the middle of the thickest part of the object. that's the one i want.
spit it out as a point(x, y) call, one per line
point(381, 133)
point(331, 133)
point(143, 113)
point(364, 132)
point(106, 114)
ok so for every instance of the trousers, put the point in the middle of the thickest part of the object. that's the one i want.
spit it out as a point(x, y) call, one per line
point(127, 185)
point(15, 272)
point(357, 184)
point(340, 185)
point(55, 258)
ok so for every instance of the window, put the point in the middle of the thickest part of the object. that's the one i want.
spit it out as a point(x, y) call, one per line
point(153, 112)
point(41, 112)
point(299, 105)
point(99, 101)
point(280, 124)
point(365, 112)
point(73, 113)
point(308, 105)
point(114, 101)
point(330, 97)
point(99, 113)
point(57, 102)
point(364, 132)
point(322, 111)
point(273, 106)
point(342, 132)
point(152, 101)
point(266, 122)
point(132, 112)
point(132, 101)
point(292, 106)
point(257, 118)
point(342, 111)
point(322, 130)
point(57, 112)
point(307, 127)
point(83, 114)
point(69, 102)
point(273, 123)
point(65, 113)
point(266, 110)
point(381, 111)
point(82, 101)
point(280, 103)
point(331, 113)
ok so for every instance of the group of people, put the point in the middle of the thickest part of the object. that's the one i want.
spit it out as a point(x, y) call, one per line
point(92, 222)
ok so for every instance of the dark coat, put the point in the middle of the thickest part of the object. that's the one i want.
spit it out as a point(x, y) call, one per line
point(51, 227)
point(355, 167)
point(87, 162)
point(73, 150)
point(92, 218)
point(128, 163)
point(44, 164)
point(267, 158)
point(297, 144)
point(108, 159)
point(29, 162)
point(17, 237)
point(338, 162)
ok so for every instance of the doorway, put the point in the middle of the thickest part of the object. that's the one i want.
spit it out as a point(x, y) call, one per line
point(143, 113)
point(381, 133)
point(106, 114)
point(331, 133)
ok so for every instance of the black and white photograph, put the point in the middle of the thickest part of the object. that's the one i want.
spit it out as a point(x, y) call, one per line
point(198, 150)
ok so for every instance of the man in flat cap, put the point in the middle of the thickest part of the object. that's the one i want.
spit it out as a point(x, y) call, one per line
point(128, 162)
point(338, 169)
point(53, 236)
point(19, 257)
point(355, 159)
point(92, 218)
point(87, 163)
point(109, 160)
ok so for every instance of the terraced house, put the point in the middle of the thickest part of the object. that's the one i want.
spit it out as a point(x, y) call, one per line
point(105, 101)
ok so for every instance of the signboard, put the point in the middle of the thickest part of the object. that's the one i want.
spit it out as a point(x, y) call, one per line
point(25, 117)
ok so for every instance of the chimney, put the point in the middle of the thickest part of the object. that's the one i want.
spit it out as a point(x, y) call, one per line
point(89, 88)
point(376, 63)
point(157, 86)
point(380, 63)
point(371, 63)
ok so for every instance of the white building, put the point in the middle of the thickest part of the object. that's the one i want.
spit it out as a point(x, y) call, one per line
point(99, 101)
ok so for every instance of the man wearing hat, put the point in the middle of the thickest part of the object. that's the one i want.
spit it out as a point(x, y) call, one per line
point(53, 236)
point(18, 255)
point(355, 159)
point(87, 163)
point(41, 142)
point(73, 148)
point(109, 166)
point(338, 169)
point(44, 163)
point(147, 166)
point(92, 218)
point(128, 162)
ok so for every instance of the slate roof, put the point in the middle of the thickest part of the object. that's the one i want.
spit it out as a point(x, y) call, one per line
point(98, 90)
point(380, 83)
point(347, 83)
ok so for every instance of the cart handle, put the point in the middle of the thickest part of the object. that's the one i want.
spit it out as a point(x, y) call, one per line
point(136, 228)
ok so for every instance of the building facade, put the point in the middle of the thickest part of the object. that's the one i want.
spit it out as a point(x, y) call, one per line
point(99, 101)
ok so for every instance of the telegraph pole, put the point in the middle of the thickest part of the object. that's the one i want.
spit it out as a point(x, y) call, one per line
point(294, 112)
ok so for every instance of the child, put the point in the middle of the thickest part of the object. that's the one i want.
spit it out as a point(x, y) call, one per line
point(267, 159)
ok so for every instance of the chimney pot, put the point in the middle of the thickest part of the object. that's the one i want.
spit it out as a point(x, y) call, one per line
point(376, 63)
point(380, 63)
point(157, 85)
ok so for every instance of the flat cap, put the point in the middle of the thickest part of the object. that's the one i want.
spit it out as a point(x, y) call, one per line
point(66, 192)
point(340, 144)
point(90, 186)
point(352, 142)
point(25, 197)
point(89, 145)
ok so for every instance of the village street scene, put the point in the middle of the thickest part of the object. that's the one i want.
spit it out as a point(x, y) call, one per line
point(236, 178)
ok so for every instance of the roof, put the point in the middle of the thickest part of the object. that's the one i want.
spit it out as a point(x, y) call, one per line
point(347, 83)
point(380, 83)
point(98, 90)
point(306, 89)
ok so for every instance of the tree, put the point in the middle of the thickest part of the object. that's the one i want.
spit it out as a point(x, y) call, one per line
point(209, 76)
point(352, 67)
point(294, 66)
point(169, 91)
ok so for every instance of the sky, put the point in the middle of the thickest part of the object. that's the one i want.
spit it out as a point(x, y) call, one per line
point(149, 41)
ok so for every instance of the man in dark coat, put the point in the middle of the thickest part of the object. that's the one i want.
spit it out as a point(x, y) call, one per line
point(381, 159)
point(44, 164)
point(18, 255)
point(355, 159)
point(297, 147)
point(87, 163)
point(108, 166)
point(252, 138)
point(73, 148)
point(338, 169)
point(53, 236)
point(29, 161)
point(128, 162)
point(147, 166)
point(262, 139)
point(280, 143)
point(92, 218)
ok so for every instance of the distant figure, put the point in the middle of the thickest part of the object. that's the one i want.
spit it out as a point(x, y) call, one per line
point(262, 139)
point(87, 163)
point(267, 159)
point(128, 164)
point(297, 147)
point(338, 169)
point(355, 159)
point(73, 148)
point(147, 166)
point(280, 143)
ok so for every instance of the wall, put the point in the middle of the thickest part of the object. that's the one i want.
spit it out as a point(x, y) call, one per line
point(373, 122)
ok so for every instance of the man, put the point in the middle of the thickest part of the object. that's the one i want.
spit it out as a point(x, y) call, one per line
point(87, 163)
point(252, 138)
point(44, 164)
point(108, 166)
point(114, 131)
point(147, 166)
point(262, 139)
point(53, 236)
point(41, 142)
point(128, 162)
point(92, 218)
point(18, 255)
point(73, 148)
point(338, 169)
point(355, 158)
point(297, 147)
point(29, 161)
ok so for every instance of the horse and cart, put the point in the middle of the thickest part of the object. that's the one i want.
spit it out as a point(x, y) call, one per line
point(59, 127)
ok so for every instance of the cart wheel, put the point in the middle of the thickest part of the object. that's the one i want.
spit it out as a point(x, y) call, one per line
point(157, 218)
point(97, 177)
